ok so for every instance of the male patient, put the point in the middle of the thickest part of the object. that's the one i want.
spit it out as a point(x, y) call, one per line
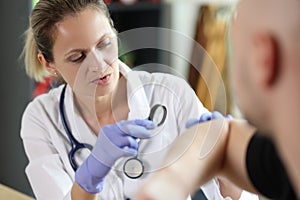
point(265, 42)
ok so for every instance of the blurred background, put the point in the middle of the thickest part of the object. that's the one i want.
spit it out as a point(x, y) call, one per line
point(205, 21)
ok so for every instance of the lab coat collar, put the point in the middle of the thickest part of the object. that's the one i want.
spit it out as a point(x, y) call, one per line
point(136, 97)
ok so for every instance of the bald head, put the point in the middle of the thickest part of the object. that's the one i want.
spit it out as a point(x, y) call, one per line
point(281, 17)
point(265, 62)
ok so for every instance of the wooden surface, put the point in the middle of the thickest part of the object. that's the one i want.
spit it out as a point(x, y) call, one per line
point(209, 78)
point(7, 193)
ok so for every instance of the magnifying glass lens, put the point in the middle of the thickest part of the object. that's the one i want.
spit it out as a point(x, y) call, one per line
point(158, 114)
point(133, 168)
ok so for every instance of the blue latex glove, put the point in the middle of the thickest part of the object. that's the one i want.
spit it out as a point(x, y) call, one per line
point(114, 141)
point(206, 117)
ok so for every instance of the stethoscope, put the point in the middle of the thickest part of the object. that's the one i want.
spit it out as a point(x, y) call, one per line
point(133, 167)
point(75, 145)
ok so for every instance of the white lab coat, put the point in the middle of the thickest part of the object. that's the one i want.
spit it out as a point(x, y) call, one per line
point(47, 145)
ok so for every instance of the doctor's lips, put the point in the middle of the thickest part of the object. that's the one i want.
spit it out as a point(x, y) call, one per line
point(102, 80)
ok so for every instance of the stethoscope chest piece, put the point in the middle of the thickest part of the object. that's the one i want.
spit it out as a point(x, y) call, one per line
point(133, 168)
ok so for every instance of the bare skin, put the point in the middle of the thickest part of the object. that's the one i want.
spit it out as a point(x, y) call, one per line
point(266, 82)
point(78, 193)
point(228, 190)
point(205, 153)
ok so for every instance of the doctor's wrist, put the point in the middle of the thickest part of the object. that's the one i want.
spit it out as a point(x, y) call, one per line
point(91, 174)
point(77, 193)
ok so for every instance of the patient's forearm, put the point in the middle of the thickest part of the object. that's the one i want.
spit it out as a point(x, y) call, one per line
point(234, 167)
point(202, 152)
point(194, 158)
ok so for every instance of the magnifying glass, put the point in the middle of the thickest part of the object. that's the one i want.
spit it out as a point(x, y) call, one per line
point(158, 114)
point(133, 167)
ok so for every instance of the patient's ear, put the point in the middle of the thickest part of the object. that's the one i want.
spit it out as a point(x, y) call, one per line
point(51, 69)
point(266, 59)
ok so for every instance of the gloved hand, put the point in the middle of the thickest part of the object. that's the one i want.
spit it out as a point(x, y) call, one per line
point(206, 117)
point(114, 141)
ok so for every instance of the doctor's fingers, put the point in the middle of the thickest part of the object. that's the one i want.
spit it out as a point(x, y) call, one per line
point(126, 141)
point(148, 124)
point(191, 122)
point(137, 128)
point(127, 151)
point(203, 118)
point(206, 117)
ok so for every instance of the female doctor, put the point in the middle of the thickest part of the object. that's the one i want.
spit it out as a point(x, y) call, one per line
point(83, 137)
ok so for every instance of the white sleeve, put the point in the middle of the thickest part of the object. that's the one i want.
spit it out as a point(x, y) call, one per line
point(248, 196)
point(45, 170)
point(47, 178)
point(189, 105)
point(212, 191)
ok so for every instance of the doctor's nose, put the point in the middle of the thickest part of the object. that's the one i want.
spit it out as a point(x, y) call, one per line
point(95, 62)
point(96, 68)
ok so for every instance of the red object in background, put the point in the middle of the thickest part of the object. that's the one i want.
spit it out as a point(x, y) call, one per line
point(42, 88)
point(107, 1)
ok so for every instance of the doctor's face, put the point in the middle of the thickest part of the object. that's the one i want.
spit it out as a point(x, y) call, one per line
point(85, 53)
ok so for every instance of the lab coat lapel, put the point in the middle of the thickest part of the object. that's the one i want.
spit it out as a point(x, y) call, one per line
point(137, 100)
point(136, 97)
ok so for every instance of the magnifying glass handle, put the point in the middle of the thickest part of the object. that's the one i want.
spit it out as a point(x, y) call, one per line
point(138, 140)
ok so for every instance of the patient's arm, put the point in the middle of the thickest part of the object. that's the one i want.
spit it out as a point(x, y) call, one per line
point(228, 189)
point(204, 151)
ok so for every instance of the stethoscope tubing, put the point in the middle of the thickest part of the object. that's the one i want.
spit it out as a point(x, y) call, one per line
point(72, 139)
point(75, 145)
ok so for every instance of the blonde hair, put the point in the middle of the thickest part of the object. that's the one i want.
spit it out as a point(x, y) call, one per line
point(40, 35)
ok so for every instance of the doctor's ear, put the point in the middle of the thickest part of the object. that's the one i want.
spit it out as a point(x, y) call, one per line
point(266, 59)
point(51, 69)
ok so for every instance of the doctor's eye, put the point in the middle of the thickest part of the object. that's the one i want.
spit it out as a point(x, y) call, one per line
point(104, 43)
point(78, 57)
